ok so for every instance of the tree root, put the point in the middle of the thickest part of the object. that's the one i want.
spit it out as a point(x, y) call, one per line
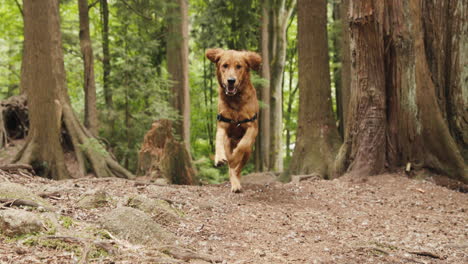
point(187, 255)
point(20, 202)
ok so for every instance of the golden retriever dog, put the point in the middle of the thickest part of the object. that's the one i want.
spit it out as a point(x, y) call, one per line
point(237, 125)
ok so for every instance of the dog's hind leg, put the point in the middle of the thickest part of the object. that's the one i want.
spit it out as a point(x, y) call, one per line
point(220, 153)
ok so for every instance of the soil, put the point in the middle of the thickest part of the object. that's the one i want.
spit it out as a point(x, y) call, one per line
point(382, 219)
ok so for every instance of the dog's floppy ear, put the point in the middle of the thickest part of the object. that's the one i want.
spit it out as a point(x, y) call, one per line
point(214, 54)
point(253, 60)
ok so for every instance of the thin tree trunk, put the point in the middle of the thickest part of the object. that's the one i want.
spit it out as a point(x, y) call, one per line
point(281, 14)
point(263, 140)
point(106, 66)
point(91, 118)
point(317, 135)
point(177, 64)
point(343, 75)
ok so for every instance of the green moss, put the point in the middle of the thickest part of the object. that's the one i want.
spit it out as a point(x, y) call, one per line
point(50, 227)
point(66, 221)
point(98, 253)
point(59, 245)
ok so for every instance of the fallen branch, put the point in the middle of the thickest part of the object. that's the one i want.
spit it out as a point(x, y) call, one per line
point(187, 255)
point(425, 254)
point(20, 202)
point(14, 167)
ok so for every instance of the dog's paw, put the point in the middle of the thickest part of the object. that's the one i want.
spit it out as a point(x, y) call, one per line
point(220, 162)
point(236, 187)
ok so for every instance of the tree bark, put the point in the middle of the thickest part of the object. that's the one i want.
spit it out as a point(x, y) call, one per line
point(445, 31)
point(317, 136)
point(262, 147)
point(161, 156)
point(177, 65)
point(343, 74)
point(106, 66)
point(50, 112)
point(416, 131)
point(44, 80)
point(91, 118)
point(363, 150)
point(280, 14)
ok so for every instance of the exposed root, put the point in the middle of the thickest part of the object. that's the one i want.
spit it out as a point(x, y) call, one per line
point(187, 255)
point(21, 202)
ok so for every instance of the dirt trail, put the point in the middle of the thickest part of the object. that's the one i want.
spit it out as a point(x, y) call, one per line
point(382, 219)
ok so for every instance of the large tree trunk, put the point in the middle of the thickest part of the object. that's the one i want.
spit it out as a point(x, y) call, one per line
point(262, 146)
point(177, 65)
point(280, 15)
point(317, 136)
point(49, 103)
point(44, 80)
point(91, 118)
point(446, 35)
point(417, 132)
point(363, 151)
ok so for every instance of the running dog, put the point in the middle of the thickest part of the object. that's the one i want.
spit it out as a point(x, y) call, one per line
point(237, 125)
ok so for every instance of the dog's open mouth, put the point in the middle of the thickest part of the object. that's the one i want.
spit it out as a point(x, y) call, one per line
point(230, 90)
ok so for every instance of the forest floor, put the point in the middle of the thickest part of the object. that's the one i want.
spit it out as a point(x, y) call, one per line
point(382, 219)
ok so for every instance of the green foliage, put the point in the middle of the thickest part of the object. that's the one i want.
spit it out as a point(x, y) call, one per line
point(11, 44)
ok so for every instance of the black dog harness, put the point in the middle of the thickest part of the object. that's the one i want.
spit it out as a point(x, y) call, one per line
point(227, 120)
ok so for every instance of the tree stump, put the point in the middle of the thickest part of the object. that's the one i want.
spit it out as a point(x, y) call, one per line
point(14, 121)
point(162, 156)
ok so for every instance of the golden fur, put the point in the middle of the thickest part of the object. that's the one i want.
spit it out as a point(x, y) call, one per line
point(237, 101)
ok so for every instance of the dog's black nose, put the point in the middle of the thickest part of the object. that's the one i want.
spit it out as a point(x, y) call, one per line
point(231, 80)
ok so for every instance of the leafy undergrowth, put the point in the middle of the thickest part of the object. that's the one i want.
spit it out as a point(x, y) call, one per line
point(382, 219)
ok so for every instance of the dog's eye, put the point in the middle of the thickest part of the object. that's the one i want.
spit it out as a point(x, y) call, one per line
point(238, 67)
point(225, 66)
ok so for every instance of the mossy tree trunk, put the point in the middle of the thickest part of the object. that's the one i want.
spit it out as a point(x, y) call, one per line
point(280, 13)
point(317, 136)
point(50, 112)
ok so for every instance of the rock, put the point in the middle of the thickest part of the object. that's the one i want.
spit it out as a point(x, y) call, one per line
point(14, 222)
point(94, 199)
point(135, 226)
point(161, 210)
point(11, 190)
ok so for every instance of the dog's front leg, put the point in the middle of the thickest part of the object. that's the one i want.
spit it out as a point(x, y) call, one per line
point(220, 153)
point(239, 157)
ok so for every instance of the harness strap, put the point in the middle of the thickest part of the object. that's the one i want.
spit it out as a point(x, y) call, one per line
point(227, 120)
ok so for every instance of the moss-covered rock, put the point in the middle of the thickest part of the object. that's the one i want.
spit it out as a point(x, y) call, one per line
point(94, 199)
point(14, 222)
point(135, 226)
point(160, 210)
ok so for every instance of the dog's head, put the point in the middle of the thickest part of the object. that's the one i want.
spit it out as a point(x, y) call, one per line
point(232, 68)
